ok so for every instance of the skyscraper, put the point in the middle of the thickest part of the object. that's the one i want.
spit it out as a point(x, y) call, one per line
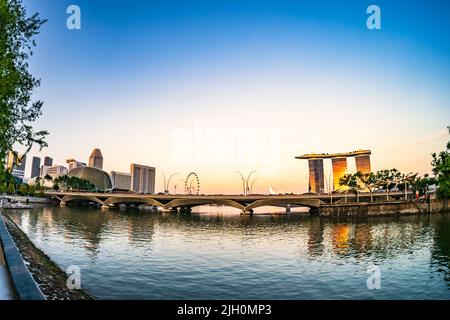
point(339, 170)
point(75, 164)
point(339, 164)
point(96, 159)
point(48, 161)
point(363, 163)
point(55, 171)
point(121, 180)
point(35, 167)
point(316, 175)
point(16, 166)
point(142, 178)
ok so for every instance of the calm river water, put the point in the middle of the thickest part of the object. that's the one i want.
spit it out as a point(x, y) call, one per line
point(217, 254)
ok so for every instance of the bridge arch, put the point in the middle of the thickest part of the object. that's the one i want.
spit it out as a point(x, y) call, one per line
point(78, 197)
point(310, 203)
point(177, 203)
point(132, 200)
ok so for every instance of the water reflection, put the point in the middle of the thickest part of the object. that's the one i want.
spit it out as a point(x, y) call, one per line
point(441, 249)
point(239, 254)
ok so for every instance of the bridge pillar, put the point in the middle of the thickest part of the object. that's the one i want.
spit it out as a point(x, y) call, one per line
point(62, 204)
point(105, 207)
point(245, 212)
point(314, 211)
point(288, 208)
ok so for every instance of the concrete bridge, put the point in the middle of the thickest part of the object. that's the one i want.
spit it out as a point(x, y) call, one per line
point(185, 202)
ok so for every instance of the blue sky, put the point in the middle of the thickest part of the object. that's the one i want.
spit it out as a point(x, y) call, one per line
point(310, 70)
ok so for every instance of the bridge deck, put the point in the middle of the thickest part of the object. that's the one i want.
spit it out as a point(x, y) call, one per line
point(186, 202)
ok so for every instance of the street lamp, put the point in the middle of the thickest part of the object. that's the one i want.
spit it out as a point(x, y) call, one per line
point(166, 183)
point(251, 185)
point(164, 177)
point(243, 180)
point(248, 177)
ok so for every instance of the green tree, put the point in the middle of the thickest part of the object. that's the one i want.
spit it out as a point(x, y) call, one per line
point(5, 176)
point(386, 178)
point(23, 189)
point(407, 180)
point(352, 182)
point(370, 182)
point(441, 170)
point(31, 190)
point(421, 184)
point(11, 189)
point(344, 184)
point(17, 111)
point(56, 186)
point(356, 184)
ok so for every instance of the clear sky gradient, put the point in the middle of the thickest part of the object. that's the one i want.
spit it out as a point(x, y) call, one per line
point(218, 86)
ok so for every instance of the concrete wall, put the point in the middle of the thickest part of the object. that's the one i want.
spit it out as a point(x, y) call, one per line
point(384, 208)
point(24, 284)
point(2, 257)
point(23, 199)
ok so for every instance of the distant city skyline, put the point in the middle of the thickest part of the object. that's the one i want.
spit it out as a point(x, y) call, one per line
point(168, 85)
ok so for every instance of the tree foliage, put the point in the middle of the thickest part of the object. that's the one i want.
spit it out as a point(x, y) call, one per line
point(74, 184)
point(441, 170)
point(17, 111)
point(23, 189)
point(10, 189)
point(383, 180)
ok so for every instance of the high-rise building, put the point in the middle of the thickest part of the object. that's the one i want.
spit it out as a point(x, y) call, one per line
point(316, 176)
point(339, 164)
point(55, 171)
point(35, 167)
point(363, 164)
point(16, 164)
point(339, 170)
point(48, 161)
point(72, 163)
point(96, 159)
point(142, 178)
point(121, 180)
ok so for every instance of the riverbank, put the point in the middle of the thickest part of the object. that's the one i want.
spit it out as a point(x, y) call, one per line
point(394, 208)
point(29, 199)
point(50, 278)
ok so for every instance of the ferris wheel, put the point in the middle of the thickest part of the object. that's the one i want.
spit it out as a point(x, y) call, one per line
point(192, 184)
